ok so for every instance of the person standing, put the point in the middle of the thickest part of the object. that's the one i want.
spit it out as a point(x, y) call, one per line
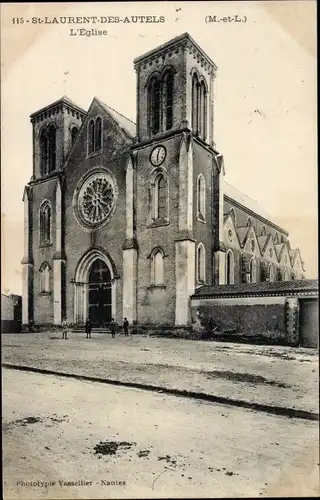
point(88, 328)
point(126, 327)
point(113, 328)
point(64, 325)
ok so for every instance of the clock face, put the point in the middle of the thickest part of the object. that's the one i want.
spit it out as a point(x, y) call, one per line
point(158, 155)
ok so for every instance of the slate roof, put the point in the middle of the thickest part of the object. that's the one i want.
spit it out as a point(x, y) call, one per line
point(295, 287)
point(248, 203)
point(126, 124)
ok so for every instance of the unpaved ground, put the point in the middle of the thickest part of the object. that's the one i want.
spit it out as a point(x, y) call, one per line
point(164, 446)
point(278, 376)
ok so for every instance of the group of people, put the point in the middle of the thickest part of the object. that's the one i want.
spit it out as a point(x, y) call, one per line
point(88, 328)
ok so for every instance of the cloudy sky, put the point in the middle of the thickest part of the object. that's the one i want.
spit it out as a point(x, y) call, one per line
point(265, 97)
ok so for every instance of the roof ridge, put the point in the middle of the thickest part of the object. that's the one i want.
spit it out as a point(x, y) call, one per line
point(107, 105)
point(241, 192)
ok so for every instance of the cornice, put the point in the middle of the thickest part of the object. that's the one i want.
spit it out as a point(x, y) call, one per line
point(182, 43)
point(254, 214)
point(56, 108)
point(217, 295)
point(53, 175)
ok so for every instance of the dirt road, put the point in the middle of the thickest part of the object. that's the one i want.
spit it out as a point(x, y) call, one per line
point(90, 440)
point(280, 376)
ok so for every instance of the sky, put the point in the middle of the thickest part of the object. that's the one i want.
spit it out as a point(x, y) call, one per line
point(265, 98)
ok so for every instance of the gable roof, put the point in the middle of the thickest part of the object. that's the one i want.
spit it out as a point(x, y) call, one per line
point(242, 233)
point(262, 240)
point(127, 125)
point(249, 203)
point(279, 248)
point(245, 200)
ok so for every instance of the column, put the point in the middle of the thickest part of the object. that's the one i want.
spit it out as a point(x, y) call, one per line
point(130, 250)
point(185, 243)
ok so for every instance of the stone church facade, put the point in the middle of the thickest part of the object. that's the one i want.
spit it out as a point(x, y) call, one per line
point(128, 220)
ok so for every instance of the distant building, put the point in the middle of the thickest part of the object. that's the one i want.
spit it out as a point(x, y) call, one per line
point(11, 313)
point(128, 220)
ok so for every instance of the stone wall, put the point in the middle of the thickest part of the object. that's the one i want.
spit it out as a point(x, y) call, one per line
point(263, 319)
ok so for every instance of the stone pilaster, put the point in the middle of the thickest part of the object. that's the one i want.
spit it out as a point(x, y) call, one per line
point(27, 262)
point(130, 248)
point(292, 320)
point(218, 245)
point(58, 260)
point(185, 242)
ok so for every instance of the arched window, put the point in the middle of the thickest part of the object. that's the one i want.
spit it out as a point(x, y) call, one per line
point(74, 133)
point(276, 239)
point(195, 104)
point(160, 199)
point(201, 197)
point(157, 268)
point(230, 268)
point(44, 152)
point(263, 231)
point(201, 264)
point(154, 102)
point(271, 273)
point(45, 223)
point(249, 222)
point(44, 278)
point(91, 136)
point(98, 134)
point(52, 148)
point(168, 99)
point(203, 110)
point(285, 275)
point(253, 270)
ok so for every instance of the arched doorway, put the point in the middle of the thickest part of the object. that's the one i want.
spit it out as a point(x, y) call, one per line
point(95, 288)
point(100, 296)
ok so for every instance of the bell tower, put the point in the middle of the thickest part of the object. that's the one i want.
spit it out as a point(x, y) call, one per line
point(55, 128)
point(174, 149)
point(175, 90)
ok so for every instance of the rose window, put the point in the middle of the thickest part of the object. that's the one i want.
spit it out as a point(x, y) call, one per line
point(95, 199)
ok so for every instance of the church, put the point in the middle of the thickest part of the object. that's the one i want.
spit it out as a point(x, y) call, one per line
point(126, 219)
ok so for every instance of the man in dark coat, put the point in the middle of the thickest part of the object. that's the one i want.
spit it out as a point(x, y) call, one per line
point(88, 328)
point(126, 327)
point(113, 328)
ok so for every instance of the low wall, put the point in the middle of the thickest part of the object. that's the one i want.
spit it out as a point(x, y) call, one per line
point(270, 320)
